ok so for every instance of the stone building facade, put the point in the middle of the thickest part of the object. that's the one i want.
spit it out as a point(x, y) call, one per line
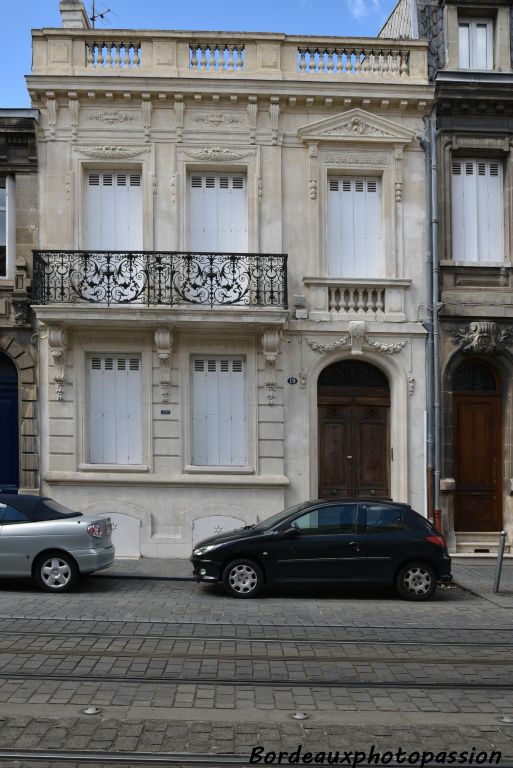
point(230, 266)
point(19, 450)
point(470, 58)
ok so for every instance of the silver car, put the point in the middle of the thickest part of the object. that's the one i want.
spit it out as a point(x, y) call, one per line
point(44, 540)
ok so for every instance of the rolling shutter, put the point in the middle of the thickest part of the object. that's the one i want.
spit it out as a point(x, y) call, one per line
point(217, 213)
point(113, 211)
point(477, 210)
point(219, 411)
point(354, 226)
point(115, 409)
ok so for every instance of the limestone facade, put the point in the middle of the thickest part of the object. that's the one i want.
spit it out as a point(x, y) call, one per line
point(291, 120)
point(18, 345)
point(474, 121)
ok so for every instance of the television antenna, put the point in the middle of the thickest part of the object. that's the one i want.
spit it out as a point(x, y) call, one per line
point(95, 15)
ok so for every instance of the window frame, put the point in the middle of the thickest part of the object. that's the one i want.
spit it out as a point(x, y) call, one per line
point(217, 175)
point(10, 228)
point(87, 346)
point(318, 531)
point(473, 23)
point(476, 157)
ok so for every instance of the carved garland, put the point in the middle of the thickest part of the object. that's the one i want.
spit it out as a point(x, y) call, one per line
point(356, 340)
point(482, 338)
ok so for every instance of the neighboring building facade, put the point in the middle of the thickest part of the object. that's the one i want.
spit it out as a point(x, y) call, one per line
point(180, 391)
point(19, 448)
point(471, 65)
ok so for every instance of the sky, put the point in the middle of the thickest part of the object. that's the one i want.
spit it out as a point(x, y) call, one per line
point(347, 18)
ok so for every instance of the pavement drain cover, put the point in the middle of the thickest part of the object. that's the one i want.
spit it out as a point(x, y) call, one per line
point(92, 710)
point(300, 716)
point(507, 719)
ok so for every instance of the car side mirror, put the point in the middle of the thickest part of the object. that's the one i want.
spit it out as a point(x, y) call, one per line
point(292, 531)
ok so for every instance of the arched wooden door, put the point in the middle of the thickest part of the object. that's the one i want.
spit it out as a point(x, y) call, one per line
point(477, 448)
point(9, 461)
point(353, 411)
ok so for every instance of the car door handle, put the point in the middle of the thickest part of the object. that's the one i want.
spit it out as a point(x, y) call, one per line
point(354, 544)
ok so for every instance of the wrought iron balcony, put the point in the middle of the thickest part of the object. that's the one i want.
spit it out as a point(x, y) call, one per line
point(164, 278)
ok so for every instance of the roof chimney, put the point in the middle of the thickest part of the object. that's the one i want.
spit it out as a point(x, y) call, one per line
point(73, 14)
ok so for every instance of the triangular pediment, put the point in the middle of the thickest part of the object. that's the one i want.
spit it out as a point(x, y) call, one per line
point(356, 125)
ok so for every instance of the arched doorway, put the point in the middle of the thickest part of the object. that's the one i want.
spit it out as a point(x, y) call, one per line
point(9, 459)
point(477, 447)
point(353, 410)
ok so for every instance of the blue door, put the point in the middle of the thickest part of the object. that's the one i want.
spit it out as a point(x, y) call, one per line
point(9, 461)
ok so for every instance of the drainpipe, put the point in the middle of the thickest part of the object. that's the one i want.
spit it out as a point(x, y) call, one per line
point(436, 306)
point(428, 325)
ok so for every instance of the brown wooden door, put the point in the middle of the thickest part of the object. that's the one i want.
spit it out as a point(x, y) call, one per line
point(477, 501)
point(353, 449)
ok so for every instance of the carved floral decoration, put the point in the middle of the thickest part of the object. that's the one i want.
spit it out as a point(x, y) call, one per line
point(57, 344)
point(164, 345)
point(482, 338)
point(270, 347)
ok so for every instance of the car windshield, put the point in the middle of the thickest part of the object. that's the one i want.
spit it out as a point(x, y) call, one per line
point(266, 525)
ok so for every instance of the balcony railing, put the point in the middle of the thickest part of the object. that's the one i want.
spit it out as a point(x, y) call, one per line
point(166, 278)
point(332, 298)
point(228, 55)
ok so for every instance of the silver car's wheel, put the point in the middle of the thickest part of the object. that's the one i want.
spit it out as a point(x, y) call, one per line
point(56, 572)
point(243, 578)
point(416, 581)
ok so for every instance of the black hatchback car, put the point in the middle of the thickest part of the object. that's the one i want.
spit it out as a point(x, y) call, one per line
point(329, 542)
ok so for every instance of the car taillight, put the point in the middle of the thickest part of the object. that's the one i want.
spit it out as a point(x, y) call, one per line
point(436, 539)
point(98, 531)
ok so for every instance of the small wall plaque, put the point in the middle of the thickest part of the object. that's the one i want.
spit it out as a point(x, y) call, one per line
point(165, 413)
point(292, 380)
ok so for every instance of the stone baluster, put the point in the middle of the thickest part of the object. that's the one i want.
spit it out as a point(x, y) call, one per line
point(90, 54)
point(136, 59)
point(194, 58)
point(230, 64)
point(403, 70)
point(366, 67)
point(99, 58)
point(302, 59)
point(203, 57)
point(340, 60)
point(379, 302)
point(126, 53)
point(358, 61)
point(350, 302)
point(333, 300)
point(360, 305)
point(331, 60)
point(239, 50)
point(117, 57)
point(108, 57)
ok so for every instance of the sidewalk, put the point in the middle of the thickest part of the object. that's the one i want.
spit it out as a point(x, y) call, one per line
point(477, 575)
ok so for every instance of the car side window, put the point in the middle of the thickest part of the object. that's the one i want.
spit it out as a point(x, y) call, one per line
point(335, 518)
point(384, 519)
point(10, 515)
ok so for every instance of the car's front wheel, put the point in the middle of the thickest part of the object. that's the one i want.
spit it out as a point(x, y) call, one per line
point(56, 572)
point(243, 578)
point(416, 581)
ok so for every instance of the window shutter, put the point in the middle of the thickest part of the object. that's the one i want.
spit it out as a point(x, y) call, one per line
point(354, 227)
point(477, 211)
point(115, 410)
point(218, 411)
point(217, 213)
point(113, 211)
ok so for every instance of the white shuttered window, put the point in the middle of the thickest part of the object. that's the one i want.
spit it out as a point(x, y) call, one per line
point(477, 210)
point(115, 409)
point(113, 211)
point(219, 433)
point(475, 38)
point(217, 213)
point(354, 226)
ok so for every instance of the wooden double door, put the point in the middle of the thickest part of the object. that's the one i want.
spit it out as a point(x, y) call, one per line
point(477, 502)
point(354, 446)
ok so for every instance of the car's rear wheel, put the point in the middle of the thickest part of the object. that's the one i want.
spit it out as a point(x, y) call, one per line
point(416, 581)
point(56, 572)
point(243, 578)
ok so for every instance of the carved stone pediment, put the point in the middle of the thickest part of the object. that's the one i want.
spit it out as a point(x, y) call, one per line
point(356, 125)
point(111, 151)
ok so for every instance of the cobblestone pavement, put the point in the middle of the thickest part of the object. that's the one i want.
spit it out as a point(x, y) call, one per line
point(339, 655)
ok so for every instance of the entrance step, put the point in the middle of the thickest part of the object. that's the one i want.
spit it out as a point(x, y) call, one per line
point(479, 543)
